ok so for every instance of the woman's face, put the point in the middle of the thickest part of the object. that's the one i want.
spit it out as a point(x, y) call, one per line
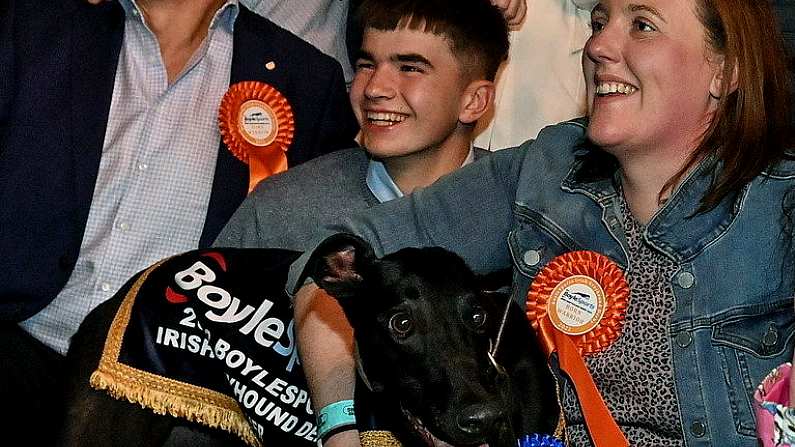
point(648, 73)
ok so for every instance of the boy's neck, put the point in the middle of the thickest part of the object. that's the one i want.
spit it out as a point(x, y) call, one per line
point(422, 168)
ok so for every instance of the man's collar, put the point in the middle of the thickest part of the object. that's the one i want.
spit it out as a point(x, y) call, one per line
point(380, 183)
point(131, 9)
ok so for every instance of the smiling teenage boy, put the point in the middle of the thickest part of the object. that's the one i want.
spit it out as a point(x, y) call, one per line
point(424, 76)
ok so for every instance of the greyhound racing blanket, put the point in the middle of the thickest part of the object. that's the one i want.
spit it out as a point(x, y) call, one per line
point(208, 336)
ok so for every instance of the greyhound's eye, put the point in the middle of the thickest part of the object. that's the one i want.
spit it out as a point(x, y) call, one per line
point(478, 318)
point(401, 324)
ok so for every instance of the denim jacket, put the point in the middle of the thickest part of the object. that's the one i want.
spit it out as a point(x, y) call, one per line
point(733, 320)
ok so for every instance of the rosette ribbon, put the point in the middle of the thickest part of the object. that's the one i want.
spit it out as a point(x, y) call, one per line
point(257, 125)
point(572, 343)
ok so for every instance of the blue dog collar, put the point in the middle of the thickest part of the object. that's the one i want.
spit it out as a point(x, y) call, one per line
point(536, 440)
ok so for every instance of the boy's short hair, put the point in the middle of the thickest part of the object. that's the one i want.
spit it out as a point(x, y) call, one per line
point(476, 29)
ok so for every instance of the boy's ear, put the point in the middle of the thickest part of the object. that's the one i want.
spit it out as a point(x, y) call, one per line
point(476, 100)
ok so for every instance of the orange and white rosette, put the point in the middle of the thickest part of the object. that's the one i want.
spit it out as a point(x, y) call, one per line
point(577, 305)
point(257, 125)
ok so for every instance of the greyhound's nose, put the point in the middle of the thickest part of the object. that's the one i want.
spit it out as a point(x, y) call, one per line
point(479, 419)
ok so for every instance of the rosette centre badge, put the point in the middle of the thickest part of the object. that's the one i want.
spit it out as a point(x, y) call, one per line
point(576, 305)
point(257, 125)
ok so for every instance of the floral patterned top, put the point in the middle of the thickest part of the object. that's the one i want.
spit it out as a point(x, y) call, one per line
point(775, 419)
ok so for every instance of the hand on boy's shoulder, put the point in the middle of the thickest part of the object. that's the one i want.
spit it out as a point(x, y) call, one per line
point(513, 10)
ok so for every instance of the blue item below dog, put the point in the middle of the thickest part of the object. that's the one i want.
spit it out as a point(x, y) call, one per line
point(536, 440)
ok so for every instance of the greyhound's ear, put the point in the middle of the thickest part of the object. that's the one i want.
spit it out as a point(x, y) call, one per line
point(496, 282)
point(340, 264)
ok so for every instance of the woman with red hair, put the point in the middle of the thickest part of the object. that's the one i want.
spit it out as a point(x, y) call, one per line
point(678, 176)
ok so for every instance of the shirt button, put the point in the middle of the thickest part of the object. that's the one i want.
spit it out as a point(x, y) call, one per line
point(685, 280)
point(532, 257)
point(698, 429)
point(142, 166)
point(123, 226)
point(105, 287)
point(683, 339)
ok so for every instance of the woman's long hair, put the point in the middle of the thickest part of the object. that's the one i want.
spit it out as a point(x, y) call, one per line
point(752, 128)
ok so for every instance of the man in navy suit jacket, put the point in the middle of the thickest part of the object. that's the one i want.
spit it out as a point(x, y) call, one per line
point(58, 68)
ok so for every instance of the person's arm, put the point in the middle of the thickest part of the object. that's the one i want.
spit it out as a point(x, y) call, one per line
point(325, 345)
point(468, 211)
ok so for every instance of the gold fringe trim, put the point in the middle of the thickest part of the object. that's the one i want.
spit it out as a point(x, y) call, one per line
point(378, 438)
point(166, 403)
point(560, 428)
point(161, 394)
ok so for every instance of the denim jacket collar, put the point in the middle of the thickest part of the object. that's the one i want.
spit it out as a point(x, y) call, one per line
point(602, 190)
point(679, 230)
point(676, 230)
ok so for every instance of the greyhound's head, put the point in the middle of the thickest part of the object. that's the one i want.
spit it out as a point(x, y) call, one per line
point(424, 326)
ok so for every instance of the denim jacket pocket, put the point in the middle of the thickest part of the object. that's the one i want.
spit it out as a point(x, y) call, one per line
point(751, 341)
point(535, 241)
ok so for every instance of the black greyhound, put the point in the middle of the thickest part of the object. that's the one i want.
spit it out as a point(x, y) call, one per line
point(425, 331)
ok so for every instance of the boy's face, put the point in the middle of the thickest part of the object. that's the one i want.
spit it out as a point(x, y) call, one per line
point(407, 92)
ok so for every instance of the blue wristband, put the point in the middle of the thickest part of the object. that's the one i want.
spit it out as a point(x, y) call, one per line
point(334, 418)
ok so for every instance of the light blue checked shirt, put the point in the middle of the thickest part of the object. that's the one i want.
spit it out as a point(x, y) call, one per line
point(156, 172)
